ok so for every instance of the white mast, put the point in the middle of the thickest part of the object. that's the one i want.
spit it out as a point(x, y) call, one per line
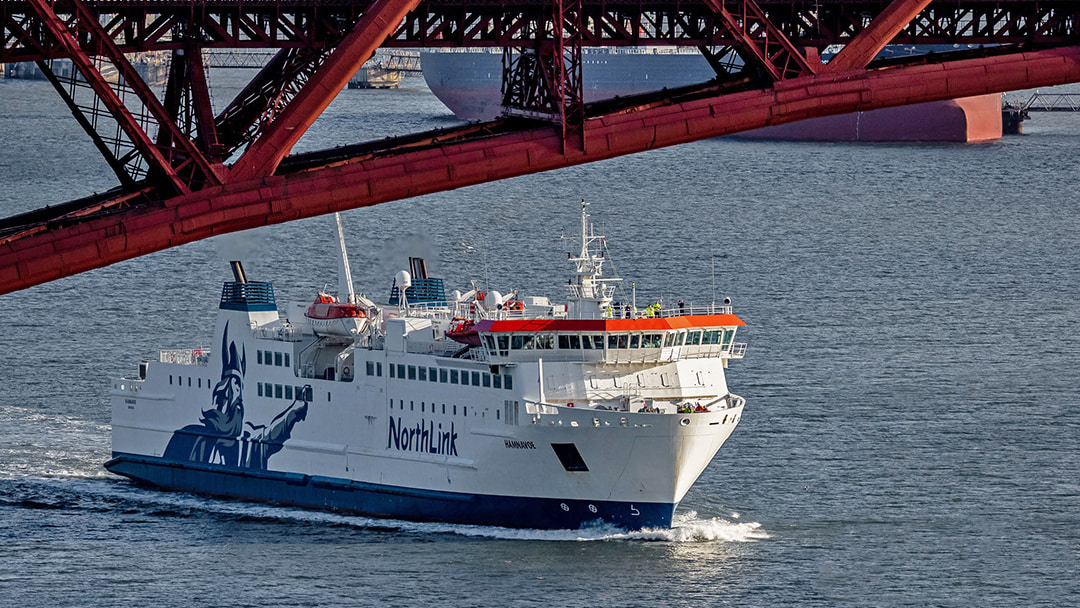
point(590, 295)
point(345, 286)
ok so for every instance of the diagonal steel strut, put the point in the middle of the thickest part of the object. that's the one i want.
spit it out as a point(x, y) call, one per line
point(769, 48)
point(379, 21)
point(869, 42)
point(82, 61)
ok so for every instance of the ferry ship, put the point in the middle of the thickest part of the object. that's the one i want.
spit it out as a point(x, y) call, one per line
point(475, 408)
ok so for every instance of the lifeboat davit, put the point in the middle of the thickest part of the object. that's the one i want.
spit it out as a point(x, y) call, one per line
point(464, 331)
point(329, 317)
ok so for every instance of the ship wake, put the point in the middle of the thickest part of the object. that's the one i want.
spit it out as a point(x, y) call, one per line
point(85, 493)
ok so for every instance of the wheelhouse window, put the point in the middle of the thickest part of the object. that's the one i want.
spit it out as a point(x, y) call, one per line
point(651, 340)
point(504, 345)
point(635, 341)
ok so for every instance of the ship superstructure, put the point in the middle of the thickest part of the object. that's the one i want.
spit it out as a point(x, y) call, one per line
point(476, 407)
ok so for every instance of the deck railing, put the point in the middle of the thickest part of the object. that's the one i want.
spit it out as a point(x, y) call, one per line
point(685, 310)
point(186, 356)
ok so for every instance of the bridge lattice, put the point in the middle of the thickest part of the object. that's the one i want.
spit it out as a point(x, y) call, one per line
point(186, 171)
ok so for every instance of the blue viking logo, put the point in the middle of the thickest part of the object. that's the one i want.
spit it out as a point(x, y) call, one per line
point(221, 438)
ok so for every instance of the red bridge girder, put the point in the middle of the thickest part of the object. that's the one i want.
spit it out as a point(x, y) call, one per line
point(500, 150)
point(139, 25)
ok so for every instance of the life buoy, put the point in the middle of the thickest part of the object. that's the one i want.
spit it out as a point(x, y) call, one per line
point(571, 404)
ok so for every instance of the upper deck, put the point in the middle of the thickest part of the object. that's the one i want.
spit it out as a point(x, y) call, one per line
point(664, 335)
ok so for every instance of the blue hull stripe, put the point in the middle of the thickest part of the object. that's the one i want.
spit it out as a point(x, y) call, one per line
point(376, 500)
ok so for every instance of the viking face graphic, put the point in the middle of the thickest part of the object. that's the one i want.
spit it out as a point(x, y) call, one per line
point(226, 418)
point(220, 437)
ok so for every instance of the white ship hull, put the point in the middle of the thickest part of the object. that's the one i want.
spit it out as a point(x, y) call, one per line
point(354, 452)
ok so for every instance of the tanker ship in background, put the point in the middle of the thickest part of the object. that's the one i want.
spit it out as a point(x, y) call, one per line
point(469, 81)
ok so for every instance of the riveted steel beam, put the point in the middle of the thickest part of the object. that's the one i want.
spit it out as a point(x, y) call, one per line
point(44, 250)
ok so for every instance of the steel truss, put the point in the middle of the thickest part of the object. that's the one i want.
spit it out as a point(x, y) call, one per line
point(135, 26)
point(169, 154)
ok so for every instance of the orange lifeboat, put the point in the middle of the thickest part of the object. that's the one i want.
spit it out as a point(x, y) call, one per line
point(464, 331)
point(329, 317)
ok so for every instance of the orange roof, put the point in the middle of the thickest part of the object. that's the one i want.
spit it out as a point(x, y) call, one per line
point(609, 325)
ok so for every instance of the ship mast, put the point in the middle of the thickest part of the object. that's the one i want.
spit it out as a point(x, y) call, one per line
point(590, 295)
point(345, 284)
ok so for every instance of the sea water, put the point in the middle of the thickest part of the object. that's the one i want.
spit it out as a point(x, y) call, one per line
point(911, 424)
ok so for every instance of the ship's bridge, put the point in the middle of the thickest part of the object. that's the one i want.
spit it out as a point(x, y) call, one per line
point(659, 338)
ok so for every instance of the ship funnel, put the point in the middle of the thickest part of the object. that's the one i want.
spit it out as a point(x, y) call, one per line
point(238, 272)
point(418, 268)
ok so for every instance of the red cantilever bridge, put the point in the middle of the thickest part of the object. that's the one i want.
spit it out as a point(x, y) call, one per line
point(187, 172)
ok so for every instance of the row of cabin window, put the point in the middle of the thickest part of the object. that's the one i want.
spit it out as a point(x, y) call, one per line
point(424, 407)
point(596, 341)
point(278, 391)
point(444, 376)
point(180, 381)
point(269, 357)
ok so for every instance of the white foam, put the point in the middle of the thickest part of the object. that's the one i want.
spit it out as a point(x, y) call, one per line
point(687, 527)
